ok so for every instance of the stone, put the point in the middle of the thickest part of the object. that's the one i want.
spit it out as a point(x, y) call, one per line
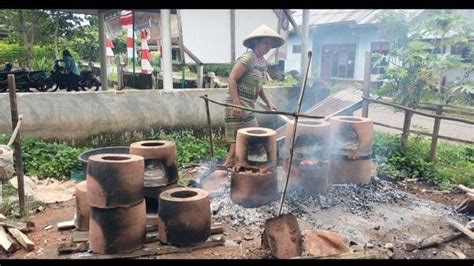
point(389, 246)
point(369, 245)
point(377, 227)
point(408, 247)
point(248, 237)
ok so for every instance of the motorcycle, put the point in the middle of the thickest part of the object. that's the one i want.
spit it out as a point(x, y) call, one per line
point(21, 79)
point(60, 80)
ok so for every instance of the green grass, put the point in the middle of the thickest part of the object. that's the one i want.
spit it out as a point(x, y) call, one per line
point(454, 162)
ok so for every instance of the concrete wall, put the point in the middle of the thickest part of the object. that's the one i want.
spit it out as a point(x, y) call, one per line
point(79, 115)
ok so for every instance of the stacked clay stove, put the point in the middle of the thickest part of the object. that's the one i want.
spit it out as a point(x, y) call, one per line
point(115, 195)
point(309, 169)
point(254, 180)
point(351, 149)
point(184, 216)
point(83, 209)
point(161, 172)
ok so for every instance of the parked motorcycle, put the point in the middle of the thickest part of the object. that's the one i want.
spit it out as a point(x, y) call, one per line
point(60, 80)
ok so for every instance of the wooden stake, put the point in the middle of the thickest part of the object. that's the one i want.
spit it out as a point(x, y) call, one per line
point(434, 138)
point(17, 144)
point(461, 228)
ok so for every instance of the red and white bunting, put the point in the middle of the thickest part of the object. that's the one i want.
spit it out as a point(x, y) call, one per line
point(145, 53)
point(109, 45)
point(126, 19)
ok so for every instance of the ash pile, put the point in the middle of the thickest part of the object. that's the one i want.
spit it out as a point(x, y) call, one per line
point(354, 198)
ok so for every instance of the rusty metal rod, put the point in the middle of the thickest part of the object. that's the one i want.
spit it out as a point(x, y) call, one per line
point(210, 128)
point(300, 100)
point(17, 144)
point(294, 114)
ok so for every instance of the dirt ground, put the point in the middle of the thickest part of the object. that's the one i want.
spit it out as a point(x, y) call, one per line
point(398, 223)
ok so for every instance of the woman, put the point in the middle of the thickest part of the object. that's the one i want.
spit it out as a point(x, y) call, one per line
point(245, 84)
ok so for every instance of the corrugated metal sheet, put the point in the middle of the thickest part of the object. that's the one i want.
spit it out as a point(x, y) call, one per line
point(352, 16)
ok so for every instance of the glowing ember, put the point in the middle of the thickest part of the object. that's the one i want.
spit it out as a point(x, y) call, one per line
point(249, 170)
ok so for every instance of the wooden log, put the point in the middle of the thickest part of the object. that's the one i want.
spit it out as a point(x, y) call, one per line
point(66, 225)
point(24, 241)
point(217, 229)
point(23, 227)
point(351, 255)
point(151, 237)
point(68, 248)
point(80, 236)
point(466, 189)
point(7, 243)
point(461, 228)
point(155, 250)
point(438, 239)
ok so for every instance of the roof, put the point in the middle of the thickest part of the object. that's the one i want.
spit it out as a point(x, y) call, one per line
point(350, 16)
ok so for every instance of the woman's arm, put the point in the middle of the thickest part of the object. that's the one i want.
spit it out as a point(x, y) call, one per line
point(270, 105)
point(237, 72)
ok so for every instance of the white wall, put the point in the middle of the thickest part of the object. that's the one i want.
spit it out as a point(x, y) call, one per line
point(207, 33)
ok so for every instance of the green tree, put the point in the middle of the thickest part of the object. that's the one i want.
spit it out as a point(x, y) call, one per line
point(415, 65)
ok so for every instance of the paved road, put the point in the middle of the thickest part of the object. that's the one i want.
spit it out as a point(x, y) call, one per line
point(387, 116)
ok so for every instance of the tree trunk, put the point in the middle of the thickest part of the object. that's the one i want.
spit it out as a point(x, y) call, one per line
point(406, 129)
point(55, 37)
point(442, 84)
point(23, 28)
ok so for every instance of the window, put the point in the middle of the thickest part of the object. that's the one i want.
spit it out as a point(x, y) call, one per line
point(338, 61)
point(377, 66)
point(297, 49)
point(463, 51)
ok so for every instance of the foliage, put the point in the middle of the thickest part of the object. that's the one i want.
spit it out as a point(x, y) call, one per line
point(454, 164)
point(48, 159)
point(288, 81)
point(221, 70)
point(417, 60)
point(17, 53)
point(191, 148)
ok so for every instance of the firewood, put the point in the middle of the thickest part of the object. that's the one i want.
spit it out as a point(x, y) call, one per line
point(438, 240)
point(23, 227)
point(80, 236)
point(24, 241)
point(68, 248)
point(156, 250)
point(217, 229)
point(66, 225)
point(461, 228)
point(2, 217)
point(466, 189)
point(7, 243)
point(351, 255)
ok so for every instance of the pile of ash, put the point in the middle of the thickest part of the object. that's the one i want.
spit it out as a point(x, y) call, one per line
point(353, 198)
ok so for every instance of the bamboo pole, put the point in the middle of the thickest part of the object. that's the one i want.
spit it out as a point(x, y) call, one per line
point(17, 144)
point(420, 113)
point(210, 129)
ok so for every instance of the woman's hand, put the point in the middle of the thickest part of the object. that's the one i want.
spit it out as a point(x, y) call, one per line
point(272, 107)
point(236, 111)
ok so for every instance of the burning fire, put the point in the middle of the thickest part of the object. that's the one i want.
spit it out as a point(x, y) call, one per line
point(249, 170)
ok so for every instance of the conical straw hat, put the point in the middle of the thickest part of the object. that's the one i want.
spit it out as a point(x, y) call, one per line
point(264, 31)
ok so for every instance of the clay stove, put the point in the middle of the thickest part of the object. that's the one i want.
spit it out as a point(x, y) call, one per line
point(161, 172)
point(351, 149)
point(309, 170)
point(253, 180)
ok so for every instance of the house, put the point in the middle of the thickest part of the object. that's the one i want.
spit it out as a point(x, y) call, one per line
point(339, 39)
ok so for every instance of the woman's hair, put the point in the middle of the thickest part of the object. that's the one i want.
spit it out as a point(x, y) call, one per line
point(253, 42)
point(66, 53)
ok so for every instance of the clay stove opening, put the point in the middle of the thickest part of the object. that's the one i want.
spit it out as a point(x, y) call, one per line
point(154, 168)
point(152, 144)
point(151, 205)
point(116, 158)
point(308, 146)
point(257, 150)
point(353, 119)
point(257, 131)
point(184, 194)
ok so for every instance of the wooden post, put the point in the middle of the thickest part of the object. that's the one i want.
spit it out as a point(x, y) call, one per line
point(434, 138)
point(17, 144)
point(406, 129)
point(210, 129)
point(367, 72)
point(232, 35)
point(200, 70)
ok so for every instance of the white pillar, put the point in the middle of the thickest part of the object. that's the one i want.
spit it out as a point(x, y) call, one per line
point(166, 56)
point(103, 62)
point(200, 70)
point(305, 41)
